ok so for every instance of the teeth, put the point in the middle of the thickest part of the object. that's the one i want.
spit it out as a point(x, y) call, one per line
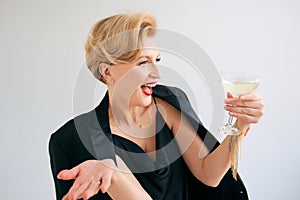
point(150, 85)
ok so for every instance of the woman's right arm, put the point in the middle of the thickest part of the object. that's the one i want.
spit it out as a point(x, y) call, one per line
point(118, 182)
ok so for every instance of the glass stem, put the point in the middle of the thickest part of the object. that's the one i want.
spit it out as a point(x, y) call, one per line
point(230, 119)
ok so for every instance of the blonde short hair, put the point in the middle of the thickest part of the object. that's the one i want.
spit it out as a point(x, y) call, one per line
point(117, 39)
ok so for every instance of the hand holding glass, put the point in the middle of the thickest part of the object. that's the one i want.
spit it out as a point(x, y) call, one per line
point(237, 84)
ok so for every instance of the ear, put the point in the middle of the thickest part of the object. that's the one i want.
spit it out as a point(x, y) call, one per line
point(105, 72)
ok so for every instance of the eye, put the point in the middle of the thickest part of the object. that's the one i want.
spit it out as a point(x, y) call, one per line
point(143, 62)
point(158, 59)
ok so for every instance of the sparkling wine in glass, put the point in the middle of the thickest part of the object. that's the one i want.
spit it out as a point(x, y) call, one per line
point(237, 83)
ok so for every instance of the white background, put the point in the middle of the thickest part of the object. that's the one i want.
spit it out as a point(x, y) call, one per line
point(41, 49)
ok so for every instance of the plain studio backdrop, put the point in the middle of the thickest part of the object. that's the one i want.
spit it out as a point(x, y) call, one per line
point(42, 51)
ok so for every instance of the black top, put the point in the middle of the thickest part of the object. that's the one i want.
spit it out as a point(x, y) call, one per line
point(88, 136)
point(161, 179)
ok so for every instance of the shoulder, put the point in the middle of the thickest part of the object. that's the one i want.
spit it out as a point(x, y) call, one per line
point(174, 96)
point(176, 100)
point(171, 98)
point(63, 139)
point(64, 132)
point(69, 128)
point(66, 142)
point(67, 134)
point(170, 114)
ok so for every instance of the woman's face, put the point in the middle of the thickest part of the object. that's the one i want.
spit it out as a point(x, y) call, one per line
point(133, 82)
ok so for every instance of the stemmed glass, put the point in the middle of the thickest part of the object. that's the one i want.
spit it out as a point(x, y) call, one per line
point(237, 83)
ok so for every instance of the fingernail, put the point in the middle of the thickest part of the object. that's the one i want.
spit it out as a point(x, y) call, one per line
point(242, 97)
point(227, 100)
point(59, 175)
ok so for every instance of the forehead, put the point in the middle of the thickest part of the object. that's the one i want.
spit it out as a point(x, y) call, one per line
point(150, 47)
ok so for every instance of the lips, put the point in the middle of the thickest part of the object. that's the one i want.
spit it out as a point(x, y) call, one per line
point(147, 88)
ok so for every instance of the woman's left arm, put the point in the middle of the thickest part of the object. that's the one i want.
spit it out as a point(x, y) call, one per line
point(210, 168)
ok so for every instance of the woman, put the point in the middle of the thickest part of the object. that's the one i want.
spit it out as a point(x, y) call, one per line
point(144, 140)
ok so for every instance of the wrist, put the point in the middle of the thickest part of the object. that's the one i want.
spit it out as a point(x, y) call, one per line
point(244, 128)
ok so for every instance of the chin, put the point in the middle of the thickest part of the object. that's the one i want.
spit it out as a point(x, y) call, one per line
point(147, 101)
point(141, 99)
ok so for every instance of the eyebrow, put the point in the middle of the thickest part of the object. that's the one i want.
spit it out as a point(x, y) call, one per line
point(147, 56)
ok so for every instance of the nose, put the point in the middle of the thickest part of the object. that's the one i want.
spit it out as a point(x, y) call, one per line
point(154, 72)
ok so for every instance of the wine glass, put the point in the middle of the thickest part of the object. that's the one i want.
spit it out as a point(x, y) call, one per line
point(237, 83)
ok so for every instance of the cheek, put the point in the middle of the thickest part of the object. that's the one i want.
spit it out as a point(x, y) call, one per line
point(139, 73)
point(130, 82)
point(135, 76)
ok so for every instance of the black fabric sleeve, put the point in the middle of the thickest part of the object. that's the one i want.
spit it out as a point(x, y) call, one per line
point(59, 161)
point(95, 137)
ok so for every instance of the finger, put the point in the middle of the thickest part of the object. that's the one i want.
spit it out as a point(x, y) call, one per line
point(229, 95)
point(250, 97)
point(68, 174)
point(245, 97)
point(252, 104)
point(93, 189)
point(105, 183)
point(249, 119)
point(77, 189)
point(245, 110)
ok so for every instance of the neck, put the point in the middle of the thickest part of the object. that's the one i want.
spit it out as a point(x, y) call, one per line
point(137, 113)
point(123, 112)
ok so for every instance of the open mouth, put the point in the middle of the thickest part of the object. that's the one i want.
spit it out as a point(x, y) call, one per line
point(147, 88)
